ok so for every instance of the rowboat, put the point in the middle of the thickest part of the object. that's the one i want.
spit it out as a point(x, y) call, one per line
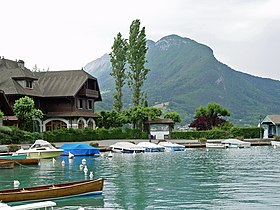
point(39, 205)
point(55, 191)
point(33, 161)
point(6, 164)
point(13, 156)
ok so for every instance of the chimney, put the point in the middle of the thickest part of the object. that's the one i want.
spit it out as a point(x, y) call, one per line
point(21, 64)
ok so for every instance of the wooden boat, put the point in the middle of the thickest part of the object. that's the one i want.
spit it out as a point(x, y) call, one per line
point(56, 191)
point(33, 161)
point(39, 205)
point(6, 164)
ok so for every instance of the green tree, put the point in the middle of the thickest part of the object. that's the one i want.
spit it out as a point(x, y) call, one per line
point(118, 61)
point(212, 110)
point(173, 116)
point(110, 119)
point(209, 116)
point(1, 114)
point(136, 58)
point(138, 115)
point(26, 112)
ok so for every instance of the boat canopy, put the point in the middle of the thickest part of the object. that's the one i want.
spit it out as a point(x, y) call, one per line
point(236, 142)
point(79, 149)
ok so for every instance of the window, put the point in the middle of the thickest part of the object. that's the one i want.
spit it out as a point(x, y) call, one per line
point(80, 103)
point(90, 104)
point(28, 84)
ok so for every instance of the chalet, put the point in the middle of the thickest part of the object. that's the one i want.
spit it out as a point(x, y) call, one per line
point(271, 126)
point(66, 98)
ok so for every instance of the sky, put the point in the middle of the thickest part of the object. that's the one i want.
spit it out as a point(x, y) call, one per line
point(68, 34)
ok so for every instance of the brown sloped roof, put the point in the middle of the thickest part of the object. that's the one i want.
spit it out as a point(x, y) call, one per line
point(62, 83)
point(4, 105)
point(11, 72)
point(274, 118)
point(160, 121)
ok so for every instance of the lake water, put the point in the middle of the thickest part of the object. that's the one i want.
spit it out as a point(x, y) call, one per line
point(194, 179)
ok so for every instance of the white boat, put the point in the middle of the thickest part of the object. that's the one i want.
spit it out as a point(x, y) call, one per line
point(215, 145)
point(41, 149)
point(171, 147)
point(126, 147)
point(151, 147)
point(235, 143)
point(275, 143)
point(39, 205)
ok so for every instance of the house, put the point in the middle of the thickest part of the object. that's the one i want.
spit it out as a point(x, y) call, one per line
point(271, 126)
point(7, 110)
point(66, 98)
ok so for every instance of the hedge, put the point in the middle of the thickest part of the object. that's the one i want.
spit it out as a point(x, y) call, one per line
point(234, 132)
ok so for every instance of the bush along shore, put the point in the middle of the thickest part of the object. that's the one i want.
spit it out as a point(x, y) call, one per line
point(13, 135)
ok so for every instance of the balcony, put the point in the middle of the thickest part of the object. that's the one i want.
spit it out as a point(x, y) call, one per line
point(89, 93)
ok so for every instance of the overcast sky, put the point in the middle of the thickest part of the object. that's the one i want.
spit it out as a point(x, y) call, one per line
point(68, 34)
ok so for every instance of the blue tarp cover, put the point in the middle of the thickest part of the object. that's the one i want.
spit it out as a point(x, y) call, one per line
point(79, 149)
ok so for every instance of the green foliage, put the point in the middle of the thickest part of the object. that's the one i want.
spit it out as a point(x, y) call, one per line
point(136, 58)
point(77, 135)
point(26, 112)
point(118, 61)
point(212, 110)
point(110, 119)
point(11, 135)
point(216, 133)
point(173, 116)
point(1, 114)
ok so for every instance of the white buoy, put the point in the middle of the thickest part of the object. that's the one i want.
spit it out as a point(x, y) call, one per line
point(81, 166)
point(110, 155)
point(85, 169)
point(16, 183)
point(91, 175)
point(70, 155)
point(63, 163)
point(84, 161)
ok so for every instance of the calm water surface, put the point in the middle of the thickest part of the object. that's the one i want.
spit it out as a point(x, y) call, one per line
point(194, 179)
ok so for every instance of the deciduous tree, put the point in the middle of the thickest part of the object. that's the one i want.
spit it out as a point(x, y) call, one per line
point(118, 61)
point(136, 58)
point(26, 112)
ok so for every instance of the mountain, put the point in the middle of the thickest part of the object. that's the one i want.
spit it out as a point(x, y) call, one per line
point(185, 74)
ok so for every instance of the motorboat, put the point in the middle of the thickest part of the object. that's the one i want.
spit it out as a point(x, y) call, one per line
point(55, 191)
point(41, 149)
point(215, 145)
point(151, 147)
point(235, 143)
point(79, 150)
point(38, 205)
point(171, 147)
point(275, 143)
point(126, 147)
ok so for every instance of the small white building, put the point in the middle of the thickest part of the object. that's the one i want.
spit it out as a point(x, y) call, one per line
point(271, 126)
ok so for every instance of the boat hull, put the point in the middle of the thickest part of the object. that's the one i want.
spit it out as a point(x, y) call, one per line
point(42, 154)
point(22, 161)
point(215, 145)
point(6, 164)
point(57, 191)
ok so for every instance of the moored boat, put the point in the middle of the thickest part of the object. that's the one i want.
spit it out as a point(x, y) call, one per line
point(6, 164)
point(13, 156)
point(41, 149)
point(56, 191)
point(33, 161)
point(126, 147)
point(235, 143)
point(275, 143)
point(171, 147)
point(215, 145)
point(151, 147)
point(38, 205)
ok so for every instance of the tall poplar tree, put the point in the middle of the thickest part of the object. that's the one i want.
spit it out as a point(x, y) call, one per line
point(136, 58)
point(118, 61)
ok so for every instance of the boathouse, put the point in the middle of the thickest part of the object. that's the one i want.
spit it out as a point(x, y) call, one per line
point(271, 126)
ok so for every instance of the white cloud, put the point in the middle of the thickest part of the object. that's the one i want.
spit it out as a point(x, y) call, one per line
point(67, 34)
